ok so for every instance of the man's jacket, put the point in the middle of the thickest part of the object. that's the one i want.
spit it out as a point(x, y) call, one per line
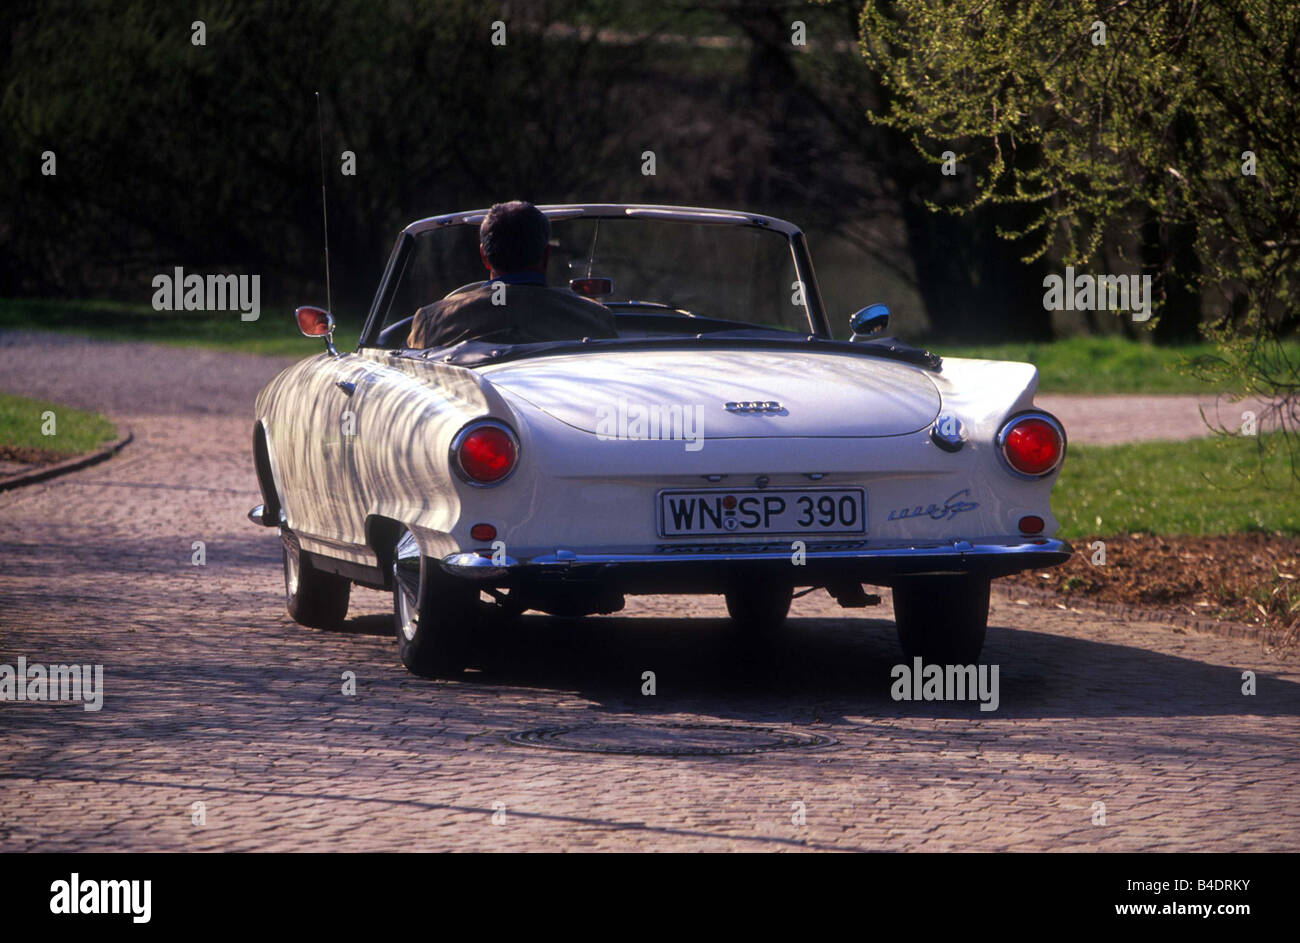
point(531, 313)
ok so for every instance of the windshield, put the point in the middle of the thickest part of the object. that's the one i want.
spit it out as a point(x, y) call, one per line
point(734, 273)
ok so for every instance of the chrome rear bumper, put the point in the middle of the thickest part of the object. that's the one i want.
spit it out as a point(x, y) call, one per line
point(860, 560)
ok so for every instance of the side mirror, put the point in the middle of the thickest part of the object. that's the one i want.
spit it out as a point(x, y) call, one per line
point(316, 322)
point(870, 322)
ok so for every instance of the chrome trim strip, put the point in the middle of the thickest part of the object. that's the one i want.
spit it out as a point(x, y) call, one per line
point(700, 214)
point(723, 217)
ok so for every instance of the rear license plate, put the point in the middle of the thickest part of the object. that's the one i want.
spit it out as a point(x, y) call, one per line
point(771, 511)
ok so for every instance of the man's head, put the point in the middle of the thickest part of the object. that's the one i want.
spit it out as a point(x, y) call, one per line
point(513, 237)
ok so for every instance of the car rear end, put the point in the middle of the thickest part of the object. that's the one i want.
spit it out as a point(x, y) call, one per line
point(880, 471)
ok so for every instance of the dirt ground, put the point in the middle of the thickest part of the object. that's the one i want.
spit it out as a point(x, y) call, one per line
point(25, 455)
point(1248, 578)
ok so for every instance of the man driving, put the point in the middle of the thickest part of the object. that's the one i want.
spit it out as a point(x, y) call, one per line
point(515, 305)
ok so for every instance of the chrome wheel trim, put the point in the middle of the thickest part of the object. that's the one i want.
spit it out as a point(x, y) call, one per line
point(290, 572)
point(406, 584)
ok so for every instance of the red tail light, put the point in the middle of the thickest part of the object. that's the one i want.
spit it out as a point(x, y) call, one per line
point(484, 452)
point(1033, 444)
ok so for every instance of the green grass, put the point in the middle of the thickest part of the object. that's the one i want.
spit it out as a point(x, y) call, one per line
point(1201, 486)
point(1098, 364)
point(22, 422)
point(274, 332)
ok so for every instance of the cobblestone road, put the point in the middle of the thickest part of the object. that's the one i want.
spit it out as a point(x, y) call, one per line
point(213, 696)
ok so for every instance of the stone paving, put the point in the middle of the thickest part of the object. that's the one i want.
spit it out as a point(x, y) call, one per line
point(212, 696)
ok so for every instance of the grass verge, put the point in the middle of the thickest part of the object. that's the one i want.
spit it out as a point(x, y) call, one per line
point(274, 332)
point(1197, 487)
point(24, 422)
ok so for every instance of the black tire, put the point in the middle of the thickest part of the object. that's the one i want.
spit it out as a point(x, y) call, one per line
point(759, 609)
point(314, 598)
point(942, 619)
point(434, 614)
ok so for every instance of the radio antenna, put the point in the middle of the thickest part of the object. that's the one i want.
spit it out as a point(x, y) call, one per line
point(324, 213)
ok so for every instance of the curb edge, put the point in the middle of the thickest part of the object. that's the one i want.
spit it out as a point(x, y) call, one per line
point(75, 463)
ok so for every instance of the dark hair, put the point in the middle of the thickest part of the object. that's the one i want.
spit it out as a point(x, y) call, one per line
point(514, 236)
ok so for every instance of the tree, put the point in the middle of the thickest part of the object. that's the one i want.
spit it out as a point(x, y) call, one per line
point(1172, 125)
point(851, 176)
point(171, 152)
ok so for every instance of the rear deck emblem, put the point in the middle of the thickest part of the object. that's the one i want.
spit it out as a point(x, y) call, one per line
point(752, 406)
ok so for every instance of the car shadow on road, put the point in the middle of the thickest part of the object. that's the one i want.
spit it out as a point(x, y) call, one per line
point(828, 668)
point(377, 625)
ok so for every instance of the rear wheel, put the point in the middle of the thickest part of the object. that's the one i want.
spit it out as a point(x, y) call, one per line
point(314, 598)
point(434, 614)
point(942, 619)
point(759, 609)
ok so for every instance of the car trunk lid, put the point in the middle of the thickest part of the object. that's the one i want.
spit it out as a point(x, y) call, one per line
point(733, 393)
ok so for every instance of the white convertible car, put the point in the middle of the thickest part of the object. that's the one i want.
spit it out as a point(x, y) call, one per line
point(723, 443)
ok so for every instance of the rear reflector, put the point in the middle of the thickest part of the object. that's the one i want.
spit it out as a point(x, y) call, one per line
point(1031, 524)
point(483, 532)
